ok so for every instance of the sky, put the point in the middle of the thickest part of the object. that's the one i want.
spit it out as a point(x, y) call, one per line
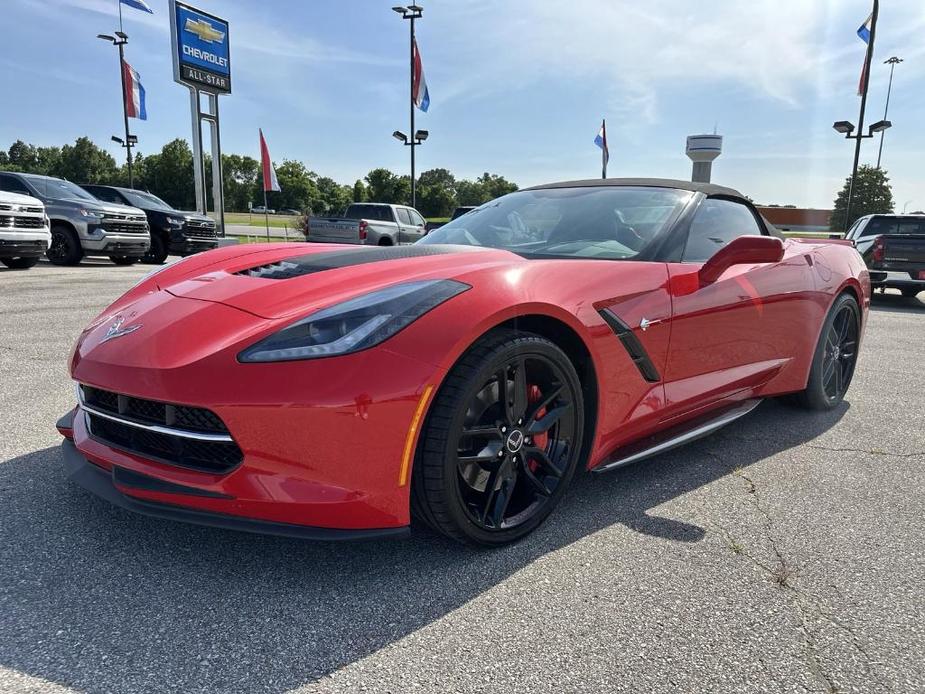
point(517, 87)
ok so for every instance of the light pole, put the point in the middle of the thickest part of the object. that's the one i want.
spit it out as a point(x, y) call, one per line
point(905, 205)
point(411, 12)
point(119, 40)
point(845, 127)
point(892, 62)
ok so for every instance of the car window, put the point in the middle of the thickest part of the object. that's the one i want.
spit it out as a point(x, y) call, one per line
point(105, 194)
point(605, 222)
point(716, 223)
point(379, 213)
point(894, 225)
point(403, 216)
point(416, 218)
point(11, 184)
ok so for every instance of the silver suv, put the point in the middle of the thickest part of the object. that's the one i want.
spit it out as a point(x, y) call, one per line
point(81, 225)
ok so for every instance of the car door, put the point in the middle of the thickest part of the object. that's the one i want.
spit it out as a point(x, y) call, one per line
point(418, 223)
point(407, 229)
point(734, 334)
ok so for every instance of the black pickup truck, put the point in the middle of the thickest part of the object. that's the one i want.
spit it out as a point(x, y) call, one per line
point(172, 231)
point(893, 246)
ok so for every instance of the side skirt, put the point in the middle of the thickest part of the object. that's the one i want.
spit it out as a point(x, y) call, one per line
point(677, 436)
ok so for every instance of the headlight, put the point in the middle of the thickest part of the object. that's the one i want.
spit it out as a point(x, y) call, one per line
point(176, 221)
point(355, 324)
point(93, 214)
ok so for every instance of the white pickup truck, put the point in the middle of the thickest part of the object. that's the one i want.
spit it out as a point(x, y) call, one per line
point(24, 230)
point(371, 223)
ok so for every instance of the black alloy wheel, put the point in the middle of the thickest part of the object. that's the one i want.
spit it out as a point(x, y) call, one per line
point(157, 253)
point(65, 248)
point(510, 446)
point(835, 357)
point(20, 263)
point(840, 353)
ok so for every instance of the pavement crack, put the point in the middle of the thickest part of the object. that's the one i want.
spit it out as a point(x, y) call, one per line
point(810, 609)
point(868, 451)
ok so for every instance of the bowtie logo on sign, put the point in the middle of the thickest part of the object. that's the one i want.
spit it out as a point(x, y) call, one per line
point(205, 31)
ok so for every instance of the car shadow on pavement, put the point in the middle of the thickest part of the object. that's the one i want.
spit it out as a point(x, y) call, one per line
point(101, 600)
point(896, 303)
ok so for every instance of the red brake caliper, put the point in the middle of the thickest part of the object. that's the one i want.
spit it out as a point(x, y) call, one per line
point(539, 440)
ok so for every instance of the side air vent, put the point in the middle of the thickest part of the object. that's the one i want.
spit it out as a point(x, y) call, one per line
point(632, 345)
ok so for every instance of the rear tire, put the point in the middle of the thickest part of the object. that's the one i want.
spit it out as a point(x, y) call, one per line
point(19, 263)
point(124, 259)
point(835, 357)
point(65, 246)
point(157, 254)
point(910, 292)
point(488, 470)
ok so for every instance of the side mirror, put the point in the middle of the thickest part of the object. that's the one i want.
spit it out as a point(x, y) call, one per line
point(744, 250)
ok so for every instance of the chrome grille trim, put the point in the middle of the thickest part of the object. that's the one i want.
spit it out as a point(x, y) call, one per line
point(170, 431)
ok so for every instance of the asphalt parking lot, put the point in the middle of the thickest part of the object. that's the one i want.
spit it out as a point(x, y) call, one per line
point(784, 554)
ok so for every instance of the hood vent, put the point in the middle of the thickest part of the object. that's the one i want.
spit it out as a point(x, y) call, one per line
point(319, 262)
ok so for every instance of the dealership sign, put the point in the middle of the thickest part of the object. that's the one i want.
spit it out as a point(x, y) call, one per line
point(201, 57)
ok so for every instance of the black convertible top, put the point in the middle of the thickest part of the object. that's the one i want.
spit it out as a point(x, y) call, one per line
point(705, 188)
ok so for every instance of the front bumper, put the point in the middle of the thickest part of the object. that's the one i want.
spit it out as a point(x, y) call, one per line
point(188, 246)
point(99, 241)
point(12, 247)
point(116, 486)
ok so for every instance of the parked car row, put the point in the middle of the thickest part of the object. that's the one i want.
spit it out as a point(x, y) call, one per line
point(122, 224)
point(370, 223)
point(892, 243)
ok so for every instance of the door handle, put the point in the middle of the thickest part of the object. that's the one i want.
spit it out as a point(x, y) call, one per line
point(645, 323)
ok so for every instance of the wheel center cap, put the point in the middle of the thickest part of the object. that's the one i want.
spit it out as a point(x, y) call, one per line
point(515, 441)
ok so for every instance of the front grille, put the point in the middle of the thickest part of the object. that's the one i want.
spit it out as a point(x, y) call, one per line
point(28, 222)
point(173, 448)
point(201, 228)
point(205, 456)
point(125, 224)
point(6, 207)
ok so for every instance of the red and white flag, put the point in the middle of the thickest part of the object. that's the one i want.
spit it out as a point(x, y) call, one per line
point(269, 174)
point(134, 94)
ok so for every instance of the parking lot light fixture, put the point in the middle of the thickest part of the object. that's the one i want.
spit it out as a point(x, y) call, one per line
point(400, 136)
point(411, 12)
point(880, 126)
point(130, 140)
point(421, 135)
point(844, 127)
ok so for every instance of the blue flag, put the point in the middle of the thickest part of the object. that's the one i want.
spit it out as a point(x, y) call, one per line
point(138, 5)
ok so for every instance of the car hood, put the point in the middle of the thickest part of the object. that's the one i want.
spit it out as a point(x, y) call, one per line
point(19, 199)
point(295, 282)
point(191, 215)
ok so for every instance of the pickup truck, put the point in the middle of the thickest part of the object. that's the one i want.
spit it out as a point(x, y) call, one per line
point(81, 225)
point(24, 232)
point(371, 223)
point(172, 231)
point(893, 247)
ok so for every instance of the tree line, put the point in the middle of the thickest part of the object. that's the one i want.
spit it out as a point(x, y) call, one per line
point(169, 175)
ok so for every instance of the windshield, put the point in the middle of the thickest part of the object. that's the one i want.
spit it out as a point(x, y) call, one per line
point(608, 222)
point(141, 199)
point(57, 188)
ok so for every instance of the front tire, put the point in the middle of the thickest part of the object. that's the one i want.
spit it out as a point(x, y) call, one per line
point(124, 259)
point(835, 357)
point(19, 263)
point(157, 254)
point(501, 442)
point(65, 246)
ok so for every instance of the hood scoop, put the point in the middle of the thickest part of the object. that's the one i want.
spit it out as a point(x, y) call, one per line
point(319, 262)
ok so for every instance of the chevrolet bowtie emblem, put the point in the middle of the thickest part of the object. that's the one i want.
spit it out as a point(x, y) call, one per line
point(204, 30)
point(116, 329)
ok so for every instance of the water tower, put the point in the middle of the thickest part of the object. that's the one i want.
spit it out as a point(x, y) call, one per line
point(702, 150)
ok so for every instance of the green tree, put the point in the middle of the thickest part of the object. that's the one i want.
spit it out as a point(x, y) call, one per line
point(470, 193)
point(297, 187)
point(495, 186)
point(385, 186)
point(22, 157)
point(334, 197)
point(436, 194)
point(84, 162)
point(169, 175)
point(872, 195)
point(359, 191)
point(241, 179)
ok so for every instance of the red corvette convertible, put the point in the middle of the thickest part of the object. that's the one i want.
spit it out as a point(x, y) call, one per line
point(329, 392)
